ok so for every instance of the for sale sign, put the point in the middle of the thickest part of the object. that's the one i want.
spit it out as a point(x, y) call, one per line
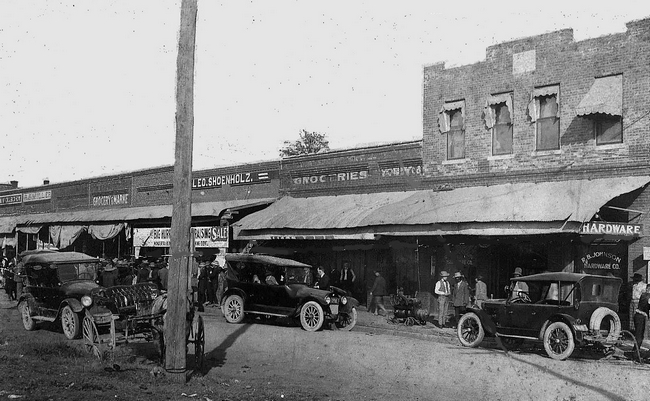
point(204, 237)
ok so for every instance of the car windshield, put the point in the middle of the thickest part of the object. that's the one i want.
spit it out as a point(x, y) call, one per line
point(299, 275)
point(77, 271)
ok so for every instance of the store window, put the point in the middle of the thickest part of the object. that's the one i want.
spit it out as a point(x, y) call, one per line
point(544, 111)
point(452, 124)
point(608, 129)
point(498, 118)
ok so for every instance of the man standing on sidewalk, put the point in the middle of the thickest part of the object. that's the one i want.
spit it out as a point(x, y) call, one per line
point(378, 291)
point(443, 291)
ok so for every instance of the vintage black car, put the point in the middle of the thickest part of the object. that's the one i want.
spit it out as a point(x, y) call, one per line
point(560, 309)
point(62, 285)
point(269, 286)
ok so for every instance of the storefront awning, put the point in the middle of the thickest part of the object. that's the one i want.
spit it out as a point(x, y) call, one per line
point(605, 96)
point(510, 209)
point(135, 213)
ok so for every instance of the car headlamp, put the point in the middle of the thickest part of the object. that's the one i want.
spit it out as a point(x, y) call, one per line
point(328, 299)
point(344, 300)
point(86, 301)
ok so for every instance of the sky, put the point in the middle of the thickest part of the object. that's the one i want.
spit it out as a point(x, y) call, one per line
point(87, 87)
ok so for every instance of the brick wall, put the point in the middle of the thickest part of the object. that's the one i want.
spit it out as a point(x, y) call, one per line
point(558, 60)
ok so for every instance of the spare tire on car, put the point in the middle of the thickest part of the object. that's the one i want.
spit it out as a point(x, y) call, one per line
point(604, 315)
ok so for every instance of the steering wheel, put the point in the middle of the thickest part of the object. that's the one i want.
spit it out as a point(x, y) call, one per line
point(522, 298)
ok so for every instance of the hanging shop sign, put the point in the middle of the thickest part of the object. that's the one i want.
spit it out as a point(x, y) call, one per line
point(11, 199)
point(204, 237)
point(605, 228)
point(234, 179)
point(599, 261)
point(37, 196)
point(110, 200)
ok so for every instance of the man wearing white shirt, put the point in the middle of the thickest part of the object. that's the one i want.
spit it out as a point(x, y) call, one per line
point(443, 291)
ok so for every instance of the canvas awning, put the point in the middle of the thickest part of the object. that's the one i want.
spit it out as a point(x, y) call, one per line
point(605, 97)
point(134, 213)
point(510, 209)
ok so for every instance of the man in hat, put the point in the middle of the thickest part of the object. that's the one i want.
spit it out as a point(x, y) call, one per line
point(378, 291)
point(163, 275)
point(638, 288)
point(109, 276)
point(641, 315)
point(443, 291)
point(222, 282)
point(519, 288)
point(461, 295)
point(203, 283)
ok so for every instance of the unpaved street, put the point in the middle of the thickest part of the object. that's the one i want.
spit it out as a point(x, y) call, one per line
point(356, 366)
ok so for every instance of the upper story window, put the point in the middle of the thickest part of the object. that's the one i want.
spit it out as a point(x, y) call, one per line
point(603, 104)
point(544, 111)
point(498, 118)
point(452, 123)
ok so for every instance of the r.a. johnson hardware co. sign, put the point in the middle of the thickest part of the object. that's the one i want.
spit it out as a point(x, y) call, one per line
point(605, 228)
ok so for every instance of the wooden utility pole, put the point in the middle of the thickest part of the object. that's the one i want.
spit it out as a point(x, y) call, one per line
point(181, 257)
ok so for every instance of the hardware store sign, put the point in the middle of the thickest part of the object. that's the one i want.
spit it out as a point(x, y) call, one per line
point(204, 237)
point(605, 228)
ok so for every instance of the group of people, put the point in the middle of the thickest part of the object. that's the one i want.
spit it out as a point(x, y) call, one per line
point(459, 295)
point(211, 277)
point(128, 272)
point(9, 280)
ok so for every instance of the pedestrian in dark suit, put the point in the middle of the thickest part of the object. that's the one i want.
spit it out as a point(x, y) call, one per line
point(460, 295)
point(322, 279)
point(378, 291)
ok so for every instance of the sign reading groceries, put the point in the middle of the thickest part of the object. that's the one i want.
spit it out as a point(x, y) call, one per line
point(605, 228)
point(204, 237)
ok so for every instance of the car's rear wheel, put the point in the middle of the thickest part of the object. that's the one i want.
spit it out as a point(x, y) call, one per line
point(70, 323)
point(558, 341)
point(346, 321)
point(469, 330)
point(26, 316)
point(312, 316)
point(233, 309)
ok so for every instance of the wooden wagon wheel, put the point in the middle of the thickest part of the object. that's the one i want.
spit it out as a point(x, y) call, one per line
point(199, 343)
point(91, 336)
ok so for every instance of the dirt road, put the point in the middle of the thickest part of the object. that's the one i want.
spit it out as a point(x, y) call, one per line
point(283, 362)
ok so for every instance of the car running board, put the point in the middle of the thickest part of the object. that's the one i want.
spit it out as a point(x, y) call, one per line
point(515, 336)
point(267, 313)
point(44, 318)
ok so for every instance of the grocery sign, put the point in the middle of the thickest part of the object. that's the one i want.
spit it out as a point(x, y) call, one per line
point(204, 237)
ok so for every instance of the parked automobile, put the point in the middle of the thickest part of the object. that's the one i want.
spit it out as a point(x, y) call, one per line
point(270, 286)
point(563, 310)
point(62, 286)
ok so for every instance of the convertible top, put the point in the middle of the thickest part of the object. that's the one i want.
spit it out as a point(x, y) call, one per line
point(59, 257)
point(263, 259)
point(561, 276)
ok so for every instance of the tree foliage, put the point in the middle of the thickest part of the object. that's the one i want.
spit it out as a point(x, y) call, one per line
point(307, 143)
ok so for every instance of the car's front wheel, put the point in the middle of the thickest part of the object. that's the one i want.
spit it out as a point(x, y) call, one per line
point(469, 330)
point(70, 323)
point(346, 321)
point(25, 313)
point(312, 316)
point(558, 341)
point(233, 309)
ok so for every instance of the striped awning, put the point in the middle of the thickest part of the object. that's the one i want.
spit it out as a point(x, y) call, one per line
point(604, 97)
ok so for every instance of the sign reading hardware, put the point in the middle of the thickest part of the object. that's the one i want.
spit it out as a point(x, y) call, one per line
point(11, 199)
point(331, 177)
point(204, 237)
point(605, 228)
point(217, 181)
point(110, 200)
point(37, 196)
